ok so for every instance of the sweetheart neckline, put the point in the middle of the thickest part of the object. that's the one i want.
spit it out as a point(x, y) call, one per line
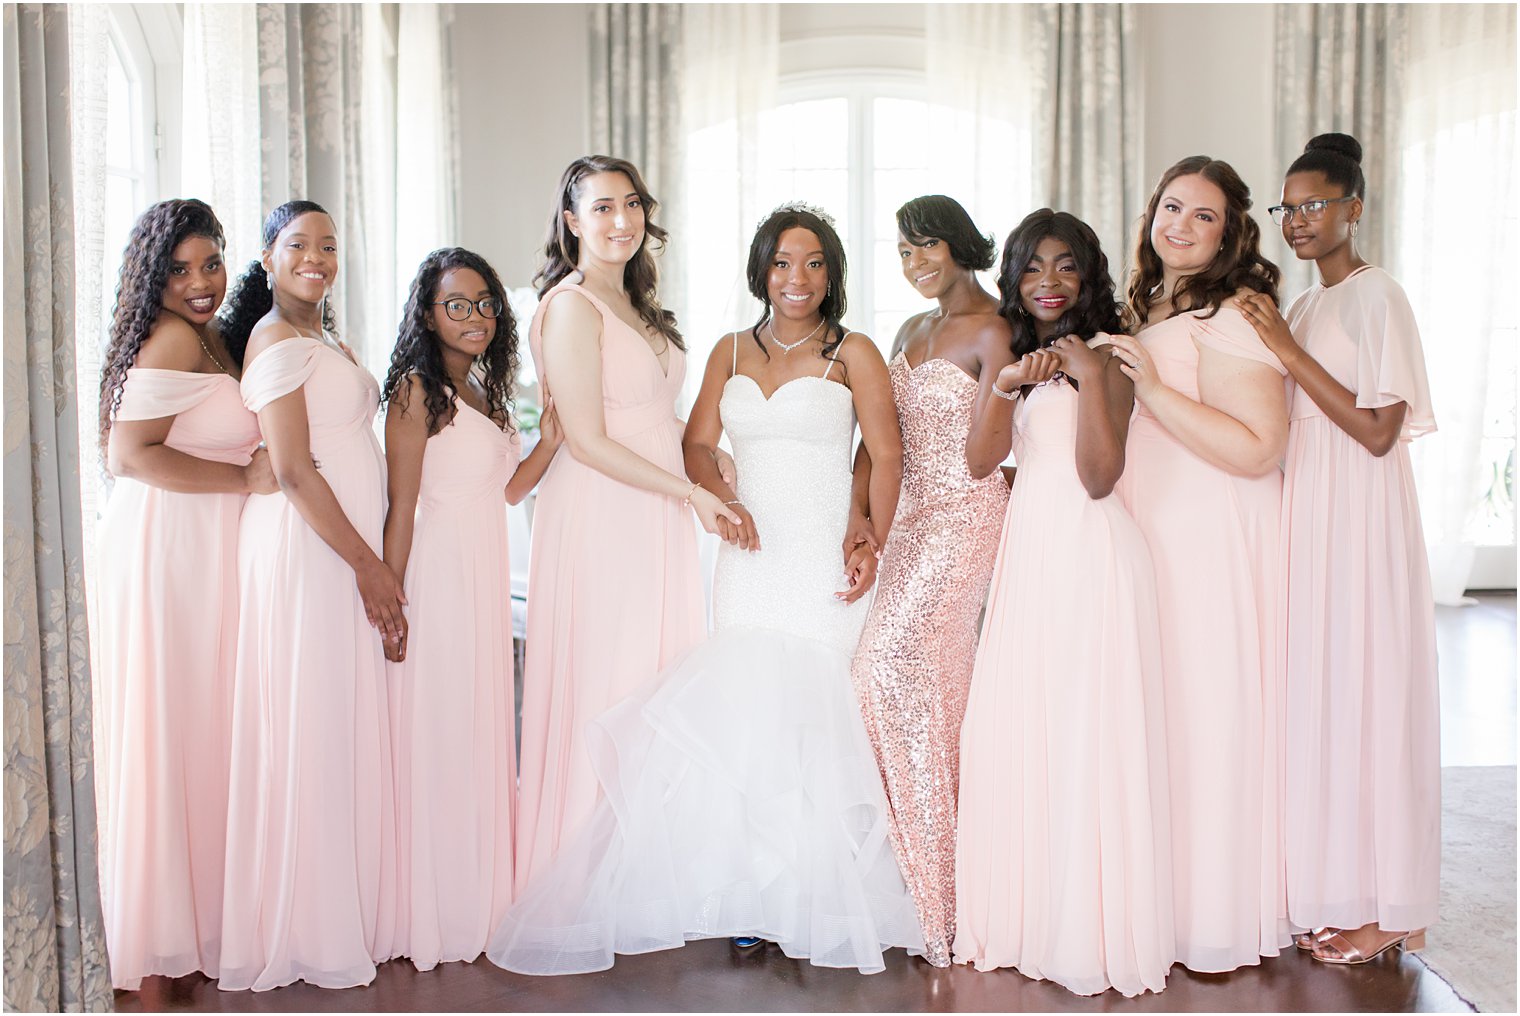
point(784, 384)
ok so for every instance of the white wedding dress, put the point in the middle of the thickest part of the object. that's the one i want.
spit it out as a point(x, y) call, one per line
point(741, 793)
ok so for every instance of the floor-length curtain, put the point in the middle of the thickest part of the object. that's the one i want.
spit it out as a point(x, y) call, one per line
point(729, 78)
point(635, 101)
point(1043, 101)
point(427, 140)
point(55, 956)
point(1429, 90)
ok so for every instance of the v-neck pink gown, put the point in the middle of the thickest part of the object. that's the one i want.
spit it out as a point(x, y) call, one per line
point(452, 699)
point(164, 606)
point(311, 831)
point(1215, 544)
point(1364, 721)
point(614, 591)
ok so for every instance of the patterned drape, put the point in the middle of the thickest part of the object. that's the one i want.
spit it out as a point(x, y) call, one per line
point(55, 955)
point(1088, 126)
point(635, 99)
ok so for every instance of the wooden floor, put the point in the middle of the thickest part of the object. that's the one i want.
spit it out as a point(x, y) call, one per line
point(1478, 728)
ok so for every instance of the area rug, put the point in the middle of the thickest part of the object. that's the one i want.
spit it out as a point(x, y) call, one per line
point(1473, 946)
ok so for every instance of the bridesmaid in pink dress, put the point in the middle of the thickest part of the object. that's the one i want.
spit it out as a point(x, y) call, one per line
point(1064, 863)
point(912, 669)
point(452, 452)
point(1203, 483)
point(614, 593)
point(1363, 817)
point(311, 866)
point(164, 603)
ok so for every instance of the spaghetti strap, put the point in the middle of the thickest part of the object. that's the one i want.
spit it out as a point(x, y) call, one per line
point(835, 358)
point(733, 368)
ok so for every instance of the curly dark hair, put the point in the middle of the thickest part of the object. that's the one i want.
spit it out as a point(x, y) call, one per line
point(251, 296)
point(145, 265)
point(762, 250)
point(1096, 308)
point(1238, 265)
point(562, 249)
point(937, 217)
point(417, 350)
point(1338, 157)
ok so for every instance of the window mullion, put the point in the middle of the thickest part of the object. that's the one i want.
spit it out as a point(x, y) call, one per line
point(862, 199)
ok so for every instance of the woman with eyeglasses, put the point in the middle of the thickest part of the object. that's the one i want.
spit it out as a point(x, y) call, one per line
point(454, 461)
point(1363, 815)
point(1201, 480)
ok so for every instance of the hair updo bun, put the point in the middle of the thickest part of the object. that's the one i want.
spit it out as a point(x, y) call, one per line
point(1338, 157)
point(1342, 144)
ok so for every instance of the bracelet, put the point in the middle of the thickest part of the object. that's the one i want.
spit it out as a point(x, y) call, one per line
point(687, 499)
point(1010, 396)
point(734, 502)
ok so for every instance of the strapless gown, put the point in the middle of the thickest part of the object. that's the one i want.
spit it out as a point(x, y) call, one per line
point(741, 794)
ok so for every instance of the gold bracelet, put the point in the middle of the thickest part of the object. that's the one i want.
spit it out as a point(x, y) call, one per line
point(687, 499)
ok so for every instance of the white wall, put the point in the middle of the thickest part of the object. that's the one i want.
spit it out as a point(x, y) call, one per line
point(522, 71)
point(1207, 80)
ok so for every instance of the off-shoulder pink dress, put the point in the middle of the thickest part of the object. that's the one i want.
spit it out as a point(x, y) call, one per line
point(165, 633)
point(452, 699)
point(311, 832)
point(614, 593)
point(1063, 859)
point(1363, 718)
point(1214, 542)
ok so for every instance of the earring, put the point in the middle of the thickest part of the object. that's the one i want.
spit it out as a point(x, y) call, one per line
point(1353, 229)
point(269, 282)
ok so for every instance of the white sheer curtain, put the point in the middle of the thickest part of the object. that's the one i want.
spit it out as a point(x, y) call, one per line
point(982, 89)
point(1454, 204)
point(427, 146)
point(729, 77)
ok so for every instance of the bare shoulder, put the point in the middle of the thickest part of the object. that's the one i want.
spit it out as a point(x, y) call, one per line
point(571, 310)
point(172, 344)
point(269, 331)
point(409, 396)
point(857, 348)
point(723, 353)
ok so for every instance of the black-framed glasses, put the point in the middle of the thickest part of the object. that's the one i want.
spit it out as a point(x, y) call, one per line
point(458, 309)
point(1313, 210)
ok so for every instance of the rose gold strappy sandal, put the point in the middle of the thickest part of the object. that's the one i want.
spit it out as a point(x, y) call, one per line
point(1305, 940)
point(1347, 954)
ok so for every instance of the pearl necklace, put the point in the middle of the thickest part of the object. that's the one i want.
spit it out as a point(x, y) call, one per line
point(787, 348)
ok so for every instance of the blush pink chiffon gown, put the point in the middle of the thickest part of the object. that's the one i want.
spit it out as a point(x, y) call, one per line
point(1064, 866)
point(311, 832)
point(614, 592)
point(165, 607)
point(1214, 541)
point(452, 699)
point(1363, 718)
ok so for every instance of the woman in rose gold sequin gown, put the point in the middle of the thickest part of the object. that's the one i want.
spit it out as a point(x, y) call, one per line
point(913, 667)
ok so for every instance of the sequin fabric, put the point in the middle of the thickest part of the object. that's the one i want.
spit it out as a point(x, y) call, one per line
point(912, 671)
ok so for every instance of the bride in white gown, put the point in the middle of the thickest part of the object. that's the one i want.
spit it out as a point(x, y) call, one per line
point(741, 793)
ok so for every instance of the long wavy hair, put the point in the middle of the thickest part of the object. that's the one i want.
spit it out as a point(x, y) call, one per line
point(252, 296)
point(145, 265)
point(937, 217)
point(417, 350)
point(1239, 264)
point(562, 249)
point(762, 251)
point(1096, 308)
